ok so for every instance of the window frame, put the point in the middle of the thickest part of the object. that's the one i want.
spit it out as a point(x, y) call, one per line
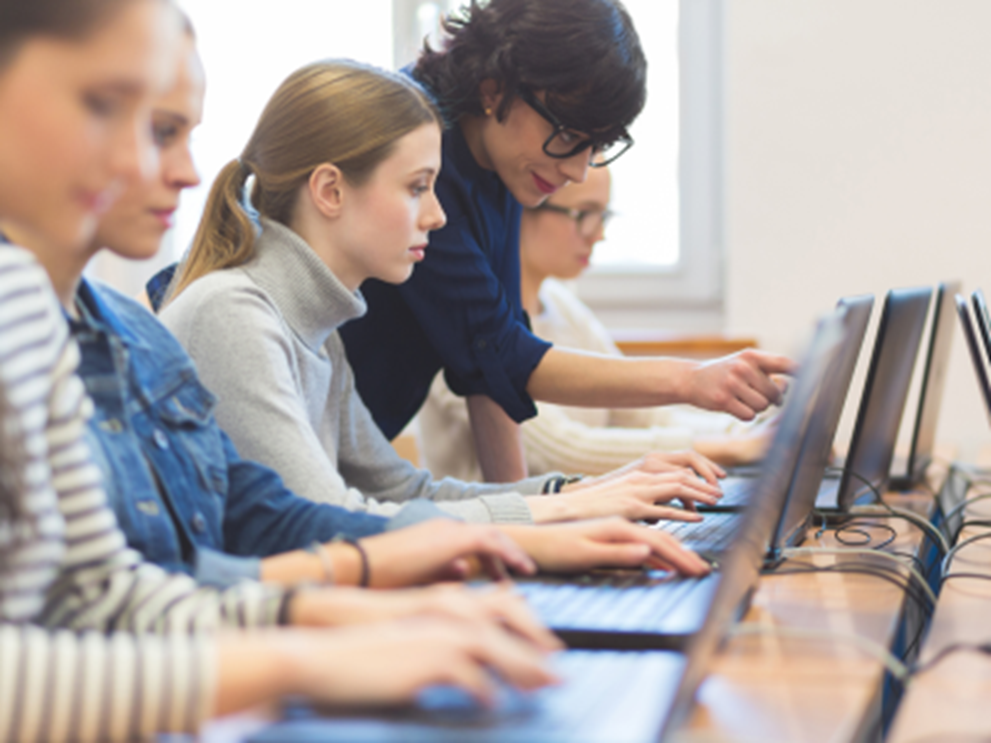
point(690, 293)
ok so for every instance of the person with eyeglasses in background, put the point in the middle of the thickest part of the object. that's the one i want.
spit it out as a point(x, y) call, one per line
point(557, 239)
point(534, 93)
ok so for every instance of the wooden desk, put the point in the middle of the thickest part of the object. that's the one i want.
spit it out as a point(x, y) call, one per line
point(770, 688)
point(952, 701)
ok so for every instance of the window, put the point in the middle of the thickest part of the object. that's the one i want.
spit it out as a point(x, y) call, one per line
point(661, 264)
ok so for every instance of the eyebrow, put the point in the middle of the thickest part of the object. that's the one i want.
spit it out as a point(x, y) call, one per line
point(122, 86)
point(175, 118)
point(428, 171)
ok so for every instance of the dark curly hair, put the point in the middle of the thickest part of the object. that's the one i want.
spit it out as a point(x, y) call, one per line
point(585, 55)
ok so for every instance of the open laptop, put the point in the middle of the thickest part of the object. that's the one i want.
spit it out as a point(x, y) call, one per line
point(907, 473)
point(737, 487)
point(882, 403)
point(629, 610)
point(607, 696)
point(970, 335)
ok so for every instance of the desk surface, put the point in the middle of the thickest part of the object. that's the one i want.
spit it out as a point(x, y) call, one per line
point(773, 688)
point(951, 701)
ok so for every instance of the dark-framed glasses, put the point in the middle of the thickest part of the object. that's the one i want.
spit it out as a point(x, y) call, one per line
point(565, 142)
point(588, 221)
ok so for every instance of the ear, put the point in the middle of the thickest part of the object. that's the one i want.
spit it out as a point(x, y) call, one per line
point(326, 190)
point(490, 92)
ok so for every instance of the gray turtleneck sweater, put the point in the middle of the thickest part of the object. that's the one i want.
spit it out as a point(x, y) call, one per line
point(264, 339)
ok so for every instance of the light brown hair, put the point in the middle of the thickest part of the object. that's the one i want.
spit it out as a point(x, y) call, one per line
point(336, 111)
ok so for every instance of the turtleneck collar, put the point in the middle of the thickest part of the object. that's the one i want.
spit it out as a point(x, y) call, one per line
point(310, 297)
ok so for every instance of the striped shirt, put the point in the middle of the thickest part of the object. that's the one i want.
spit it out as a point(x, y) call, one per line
point(131, 657)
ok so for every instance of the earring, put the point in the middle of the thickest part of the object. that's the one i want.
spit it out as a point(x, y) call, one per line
point(488, 112)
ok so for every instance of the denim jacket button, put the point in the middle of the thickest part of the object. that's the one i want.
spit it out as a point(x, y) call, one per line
point(161, 440)
point(198, 522)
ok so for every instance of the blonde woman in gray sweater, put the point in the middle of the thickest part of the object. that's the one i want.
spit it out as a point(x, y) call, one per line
point(259, 313)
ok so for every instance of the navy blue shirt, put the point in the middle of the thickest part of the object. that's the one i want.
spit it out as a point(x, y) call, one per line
point(460, 312)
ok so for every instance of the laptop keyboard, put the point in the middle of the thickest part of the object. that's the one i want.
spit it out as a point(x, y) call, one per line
point(620, 601)
point(736, 492)
point(714, 533)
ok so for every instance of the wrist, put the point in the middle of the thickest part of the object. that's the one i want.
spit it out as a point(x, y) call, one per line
point(346, 561)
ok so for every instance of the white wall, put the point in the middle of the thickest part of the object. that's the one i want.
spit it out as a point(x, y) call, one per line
point(859, 158)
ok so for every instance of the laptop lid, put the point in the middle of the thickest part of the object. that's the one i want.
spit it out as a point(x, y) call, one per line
point(889, 376)
point(817, 446)
point(931, 388)
point(970, 335)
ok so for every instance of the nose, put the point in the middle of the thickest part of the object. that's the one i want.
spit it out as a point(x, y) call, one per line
point(134, 156)
point(178, 169)
point(432, 216)
point(575, 168)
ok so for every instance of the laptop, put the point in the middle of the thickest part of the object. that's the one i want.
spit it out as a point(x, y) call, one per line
point(970, 335)
point(634, 610)
point(882, 403)
point(607, 696)
point(857, 313)
point(912, 471)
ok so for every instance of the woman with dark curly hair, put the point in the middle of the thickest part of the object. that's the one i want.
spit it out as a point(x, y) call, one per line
point(534, 92)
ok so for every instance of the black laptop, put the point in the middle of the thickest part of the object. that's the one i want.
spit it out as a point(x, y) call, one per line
point(607, 696)
point(882, 403)
point(970, 333)
point(907, 473)
point(634, 610)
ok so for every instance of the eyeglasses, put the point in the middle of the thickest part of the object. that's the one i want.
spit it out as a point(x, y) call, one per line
point(565, 142)
point(589, 221)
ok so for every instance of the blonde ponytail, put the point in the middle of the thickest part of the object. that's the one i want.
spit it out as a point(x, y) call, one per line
point(337, 111)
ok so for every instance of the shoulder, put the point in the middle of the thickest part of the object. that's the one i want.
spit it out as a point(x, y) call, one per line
point(218, 301)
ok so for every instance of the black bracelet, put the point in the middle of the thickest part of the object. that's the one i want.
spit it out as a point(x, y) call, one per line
point(366, 572)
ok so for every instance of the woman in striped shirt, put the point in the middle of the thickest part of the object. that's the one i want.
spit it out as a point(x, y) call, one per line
point(76, 81)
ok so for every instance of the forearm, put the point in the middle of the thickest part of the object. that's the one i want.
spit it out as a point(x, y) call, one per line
point(342, 566)
point(252, 669)
point(498, 441)
point(594, 380)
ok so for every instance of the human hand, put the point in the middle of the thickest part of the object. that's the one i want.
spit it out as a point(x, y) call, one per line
point(339, 606)
point(634, 494)
point(436, 550)
point(390, 663)
point(742, 384)
point(614, 542)
point(686, 462)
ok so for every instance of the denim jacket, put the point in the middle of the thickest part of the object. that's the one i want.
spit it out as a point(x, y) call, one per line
point(181, 493)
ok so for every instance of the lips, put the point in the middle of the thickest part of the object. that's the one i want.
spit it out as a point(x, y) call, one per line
point(419, 251)
point(164, 216)
point(545, 187)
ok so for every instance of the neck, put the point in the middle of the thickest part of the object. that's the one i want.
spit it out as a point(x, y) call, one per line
point(530, 282)
point(471, 128)
point(64, 268)
point(322, 244)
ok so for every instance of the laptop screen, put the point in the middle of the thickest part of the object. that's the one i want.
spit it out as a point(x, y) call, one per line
point(872, 446)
